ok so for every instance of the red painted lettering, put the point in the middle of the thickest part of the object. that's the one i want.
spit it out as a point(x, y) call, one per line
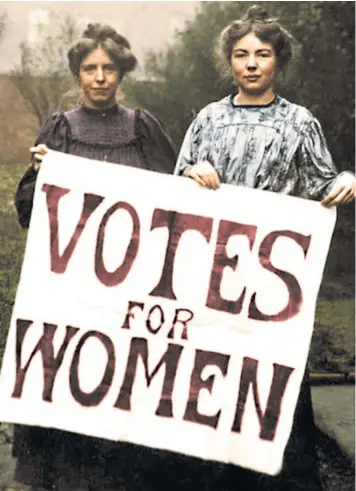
point(59, 262)
point(170, 359)
point(177, 223)
point(118, 276)
point(269, 419)
point(203, 359)
point(226, 230)
point(93, 398)
point(184, 322)
point(295, 292)
point(51, 363)
point(130, 314)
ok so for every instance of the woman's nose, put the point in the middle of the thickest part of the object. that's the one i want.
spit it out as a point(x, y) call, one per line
point(251, 62)
point(99, 74)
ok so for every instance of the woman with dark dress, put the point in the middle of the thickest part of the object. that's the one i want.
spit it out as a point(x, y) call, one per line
point(103, 130)
point(99, 129)
point(257, 139)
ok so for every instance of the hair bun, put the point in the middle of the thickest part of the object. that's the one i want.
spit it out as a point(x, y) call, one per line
point(101, 32)
point(256, 13)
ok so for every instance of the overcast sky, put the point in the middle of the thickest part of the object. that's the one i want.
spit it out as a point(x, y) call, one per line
point(147, 25)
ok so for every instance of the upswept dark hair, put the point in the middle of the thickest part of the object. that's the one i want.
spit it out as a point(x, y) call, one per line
point(102, 36)
point(268, 30)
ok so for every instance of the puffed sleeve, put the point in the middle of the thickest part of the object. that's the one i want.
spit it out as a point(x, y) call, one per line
point(317, 171)
point(189, 151)
point(55, 133)
point(157, 146)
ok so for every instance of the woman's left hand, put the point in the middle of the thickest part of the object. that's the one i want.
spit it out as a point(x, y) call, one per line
point(343, 192)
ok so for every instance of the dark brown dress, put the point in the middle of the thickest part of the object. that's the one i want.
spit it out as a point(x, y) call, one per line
point(118, 134)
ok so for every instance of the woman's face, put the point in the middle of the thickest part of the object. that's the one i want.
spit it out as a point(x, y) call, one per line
point(254, 64)
point(99, 78)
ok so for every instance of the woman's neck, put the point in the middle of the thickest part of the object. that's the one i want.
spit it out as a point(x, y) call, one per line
point(248, 99)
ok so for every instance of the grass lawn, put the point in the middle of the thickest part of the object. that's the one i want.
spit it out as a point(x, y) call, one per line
point(12, 245)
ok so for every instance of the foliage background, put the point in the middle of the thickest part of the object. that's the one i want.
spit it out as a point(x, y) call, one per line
point(179, 81)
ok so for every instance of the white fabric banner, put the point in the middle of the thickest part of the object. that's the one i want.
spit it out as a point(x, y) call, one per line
point(154, 311)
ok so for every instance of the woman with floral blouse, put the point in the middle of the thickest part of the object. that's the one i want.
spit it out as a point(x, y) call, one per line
point(258, 139)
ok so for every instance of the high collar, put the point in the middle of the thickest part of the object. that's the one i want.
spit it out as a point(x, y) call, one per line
point(275, 101)
point(101, 112)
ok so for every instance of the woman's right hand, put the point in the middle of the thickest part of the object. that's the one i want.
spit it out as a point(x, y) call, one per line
point(204, 174)
point(38, 152)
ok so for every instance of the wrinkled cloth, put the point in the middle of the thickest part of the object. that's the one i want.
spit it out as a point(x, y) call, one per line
point(276, 147)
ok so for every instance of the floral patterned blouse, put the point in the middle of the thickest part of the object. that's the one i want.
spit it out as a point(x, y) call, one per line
point(276, 147)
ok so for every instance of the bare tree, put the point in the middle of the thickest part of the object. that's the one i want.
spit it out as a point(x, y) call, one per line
point(3, 24)
point(42, 75)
